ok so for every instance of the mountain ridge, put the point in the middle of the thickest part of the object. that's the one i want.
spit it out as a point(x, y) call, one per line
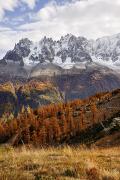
point(67, 52)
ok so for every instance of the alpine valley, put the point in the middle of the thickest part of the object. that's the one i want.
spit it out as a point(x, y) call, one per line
point(78, 67)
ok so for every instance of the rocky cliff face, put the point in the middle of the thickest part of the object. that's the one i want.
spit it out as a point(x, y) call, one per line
point(21, 50)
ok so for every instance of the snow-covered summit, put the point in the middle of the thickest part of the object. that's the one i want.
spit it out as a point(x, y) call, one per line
point(70, 51)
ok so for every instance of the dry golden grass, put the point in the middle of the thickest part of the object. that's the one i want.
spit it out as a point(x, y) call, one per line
point(65, 163)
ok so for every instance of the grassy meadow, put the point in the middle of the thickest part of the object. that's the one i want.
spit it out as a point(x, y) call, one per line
point(66, 163)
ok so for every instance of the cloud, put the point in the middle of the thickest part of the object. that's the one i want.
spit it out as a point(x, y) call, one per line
point(89, 18)
point(30, 3)
point(7, 5)
point(10, 5)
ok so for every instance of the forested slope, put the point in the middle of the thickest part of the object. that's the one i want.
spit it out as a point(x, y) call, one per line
point(79, 121)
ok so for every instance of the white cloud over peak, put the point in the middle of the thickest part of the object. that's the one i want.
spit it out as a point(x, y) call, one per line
point(90, 18)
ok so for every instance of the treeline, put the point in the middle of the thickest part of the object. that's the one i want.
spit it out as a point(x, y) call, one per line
point(53, 124)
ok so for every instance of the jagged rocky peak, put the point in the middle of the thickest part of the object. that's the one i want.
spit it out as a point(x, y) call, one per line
point(71, 40)
point(21, 50)
point(67, 39)
point(72, 47)
point(46, 41)
point(25, 42)
point(23, 47)
point(47, 49)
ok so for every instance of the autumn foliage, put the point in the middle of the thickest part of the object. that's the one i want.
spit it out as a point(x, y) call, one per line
point(54, 124)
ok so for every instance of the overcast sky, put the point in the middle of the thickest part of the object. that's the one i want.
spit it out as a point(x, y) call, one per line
point(37, 18)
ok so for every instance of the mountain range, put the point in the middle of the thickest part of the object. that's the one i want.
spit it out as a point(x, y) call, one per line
point(53, 72)
point(78, 67)
point(70, 51)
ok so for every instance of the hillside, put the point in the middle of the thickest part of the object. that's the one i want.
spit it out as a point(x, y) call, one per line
point(15, 96)
point(81, 85)
point(77, 122)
